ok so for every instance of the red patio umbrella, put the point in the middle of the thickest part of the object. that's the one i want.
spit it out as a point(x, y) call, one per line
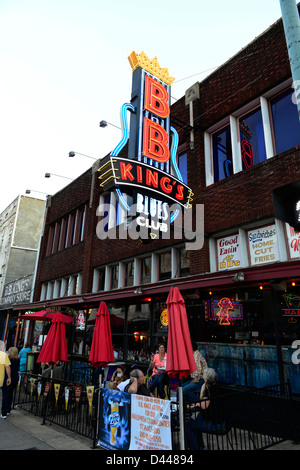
point(55, 346)
point(180, 359)
point(181, 362)
point(45, 315)
point(101, 350)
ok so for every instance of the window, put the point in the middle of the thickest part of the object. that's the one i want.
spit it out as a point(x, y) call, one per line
point(222, 154)
point(165, 266)
point(184, 261)
point(285, 121)
point(114, 276)
point(253, 148)
point(129, 273)
point(182, 165)
point(146, 271)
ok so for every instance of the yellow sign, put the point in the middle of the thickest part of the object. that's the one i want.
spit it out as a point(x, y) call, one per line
point(164, 317)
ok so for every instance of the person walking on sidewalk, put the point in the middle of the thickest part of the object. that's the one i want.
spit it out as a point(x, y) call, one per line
point(4, 366)
point(9, 387)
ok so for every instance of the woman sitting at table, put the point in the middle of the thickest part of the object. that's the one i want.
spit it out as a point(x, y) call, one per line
point(119, 376)
point(159, 376)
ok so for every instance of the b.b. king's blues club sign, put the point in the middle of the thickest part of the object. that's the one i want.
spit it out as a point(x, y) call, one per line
point(148, 179)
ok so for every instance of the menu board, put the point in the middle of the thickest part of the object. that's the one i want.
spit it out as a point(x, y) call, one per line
point(263, 246)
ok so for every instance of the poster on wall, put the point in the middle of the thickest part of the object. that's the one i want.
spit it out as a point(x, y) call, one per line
point(263, 246)
point(131, 422)
point(228, 252)
point(293, 238)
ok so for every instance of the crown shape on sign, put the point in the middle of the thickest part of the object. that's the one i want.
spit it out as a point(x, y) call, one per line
point(151, 66)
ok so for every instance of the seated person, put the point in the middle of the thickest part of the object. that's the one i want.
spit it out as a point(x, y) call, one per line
point(189, 387)
point(136, 384)
point(56, 371)
point(159, 376)
point(199, 422)
point(118, 379)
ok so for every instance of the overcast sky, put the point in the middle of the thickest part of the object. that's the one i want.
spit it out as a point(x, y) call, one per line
point(64, 68)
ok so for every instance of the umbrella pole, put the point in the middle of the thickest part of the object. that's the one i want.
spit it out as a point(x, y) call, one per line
point(181, 418)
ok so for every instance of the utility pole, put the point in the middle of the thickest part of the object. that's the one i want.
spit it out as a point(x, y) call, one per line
point(291, 24)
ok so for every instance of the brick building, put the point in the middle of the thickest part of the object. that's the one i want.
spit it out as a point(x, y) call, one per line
point(239, 140)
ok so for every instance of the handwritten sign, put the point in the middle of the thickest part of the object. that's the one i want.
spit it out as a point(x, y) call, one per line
point(150, 423)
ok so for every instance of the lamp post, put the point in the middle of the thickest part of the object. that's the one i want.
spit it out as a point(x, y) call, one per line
point(47, 175)
point(72, 154)
point(106, 123)
point(28, 191)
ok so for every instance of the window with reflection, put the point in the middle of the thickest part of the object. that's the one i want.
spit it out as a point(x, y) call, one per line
point(286, 124)
point(114, 276)
point(165, 266)
point(138, 332)
point(222, 154)
point(129, 273)
point(146, 270)
point(184, 262)
point(252, 138)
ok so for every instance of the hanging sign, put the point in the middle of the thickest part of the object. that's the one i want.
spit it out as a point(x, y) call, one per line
point(149, 175)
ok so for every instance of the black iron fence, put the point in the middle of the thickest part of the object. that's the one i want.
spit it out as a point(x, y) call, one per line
point(67, 404)
point(232, 419)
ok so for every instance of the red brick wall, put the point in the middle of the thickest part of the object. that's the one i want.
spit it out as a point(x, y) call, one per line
point(244, 197)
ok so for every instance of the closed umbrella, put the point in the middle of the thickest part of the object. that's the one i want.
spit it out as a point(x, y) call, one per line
point(55, 346)
point(180, 362)
point(101, 349)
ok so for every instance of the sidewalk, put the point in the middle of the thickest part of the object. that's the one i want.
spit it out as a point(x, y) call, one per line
point(23, 431)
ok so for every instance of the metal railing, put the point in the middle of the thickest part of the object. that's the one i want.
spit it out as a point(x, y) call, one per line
point(60, 402)
point(242, 419)
point(236, 419)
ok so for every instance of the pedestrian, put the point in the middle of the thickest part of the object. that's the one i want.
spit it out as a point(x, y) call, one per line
point(9, 387)
point(159, 377)
point(23, 357)
point(196, 380)
point(136, 384)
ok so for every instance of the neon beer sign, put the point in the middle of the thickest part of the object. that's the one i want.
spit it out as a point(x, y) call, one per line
point(149, 175)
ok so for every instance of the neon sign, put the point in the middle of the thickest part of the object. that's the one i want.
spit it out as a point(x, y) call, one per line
point(225, 310)
point(292, 305)
point(151, 169)
point(246, 146)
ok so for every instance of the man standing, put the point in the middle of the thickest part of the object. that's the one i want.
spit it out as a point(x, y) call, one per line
point(4, 366)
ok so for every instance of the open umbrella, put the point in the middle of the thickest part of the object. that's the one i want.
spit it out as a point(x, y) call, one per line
point(180, 362)
point(55, 346)
point(101, 349)
point(45, 315)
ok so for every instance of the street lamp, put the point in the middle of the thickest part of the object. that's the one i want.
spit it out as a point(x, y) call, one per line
point(28, 191)
point(106, 123)
point(47, 175)
point(72, 154)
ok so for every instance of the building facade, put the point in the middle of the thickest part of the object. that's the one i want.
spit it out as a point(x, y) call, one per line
point(238, 141)
point(20, 231)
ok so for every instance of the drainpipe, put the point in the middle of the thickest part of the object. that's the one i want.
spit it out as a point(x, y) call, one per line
point(291, 24)
point(192, 94)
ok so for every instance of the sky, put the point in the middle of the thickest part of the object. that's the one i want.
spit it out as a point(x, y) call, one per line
point(64, 68)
